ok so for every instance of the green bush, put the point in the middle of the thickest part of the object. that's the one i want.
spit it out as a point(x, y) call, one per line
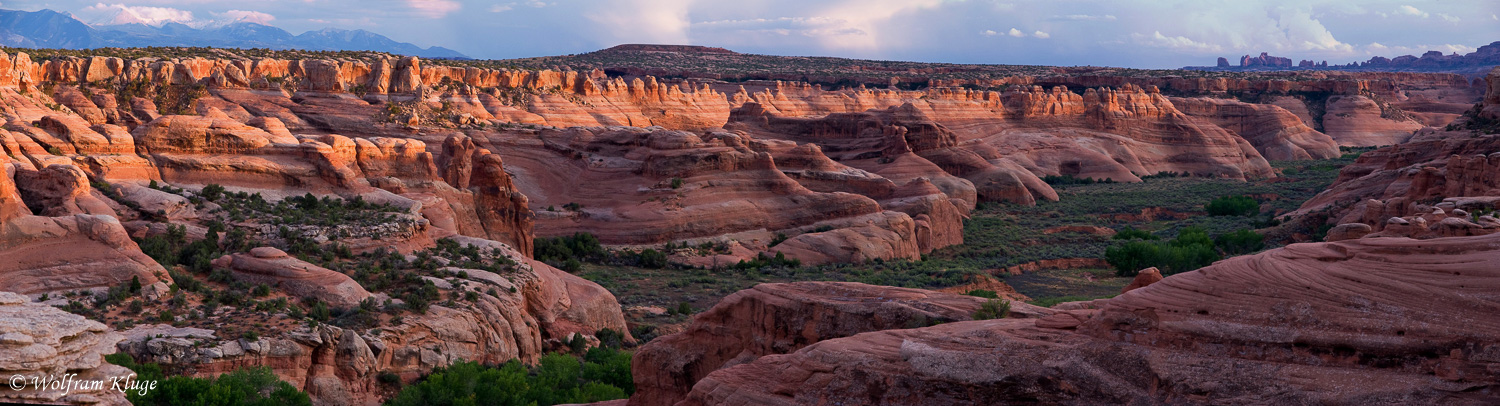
point(556, 379)
point(650, 258)
point(1233, 206)
point(1192, 249)
point(247, 387)
point(992, 309)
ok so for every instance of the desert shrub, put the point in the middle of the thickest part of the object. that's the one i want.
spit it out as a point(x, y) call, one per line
point(1233, 206)
point(610, 338)
point(988, 294)
point(212, 192)
point(171, 248)
point(1166, 175)
point(1240, 242)
point(1132, 233)
point(1056, 180)
point(778, 239)
point(1053, 301)
point(320, 311)
point(762, 261)
point(580, 246)
point(572, 265)
point(992, 309)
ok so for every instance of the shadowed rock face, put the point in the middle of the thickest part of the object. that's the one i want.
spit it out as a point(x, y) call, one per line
point(1276, 133)
point(55, 254)
point(781, 318)
point(1410, 178)
point(1370, 321)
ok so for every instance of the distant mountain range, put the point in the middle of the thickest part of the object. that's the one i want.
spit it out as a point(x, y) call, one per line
point(1474, 63)
point(51, 29)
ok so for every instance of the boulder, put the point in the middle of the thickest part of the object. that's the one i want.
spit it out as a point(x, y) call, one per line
point(1347, 232)
point(271, 266)
point(1144, 278)
point(38, 341)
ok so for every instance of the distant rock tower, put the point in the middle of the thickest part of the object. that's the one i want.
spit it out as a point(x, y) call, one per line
point(1223, 62)
point(1265, 60)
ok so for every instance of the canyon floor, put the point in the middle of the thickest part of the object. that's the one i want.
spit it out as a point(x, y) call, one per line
point(1060, 244)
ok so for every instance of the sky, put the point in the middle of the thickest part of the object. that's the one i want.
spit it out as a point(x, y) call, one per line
point(1129, 33)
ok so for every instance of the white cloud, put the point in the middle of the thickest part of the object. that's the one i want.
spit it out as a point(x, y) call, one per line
point(235, 16)
point(434, 8)
point(1085, 17)
point(1156, 39)
point(105, 14)
point(864, 21)
point(1378, 49)
point(861, 26)
point(1304, 33)
point(1014, 33)
point(1411, 11)
point(1494, 17)
point(810, 27)
point(501, 8)
point(1448, 18)
point(643, 21)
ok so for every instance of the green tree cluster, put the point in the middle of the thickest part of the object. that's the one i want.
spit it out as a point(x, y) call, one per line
point(603, 374)
point(1233, 206)
point(1191, 250)
point(244, 387)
